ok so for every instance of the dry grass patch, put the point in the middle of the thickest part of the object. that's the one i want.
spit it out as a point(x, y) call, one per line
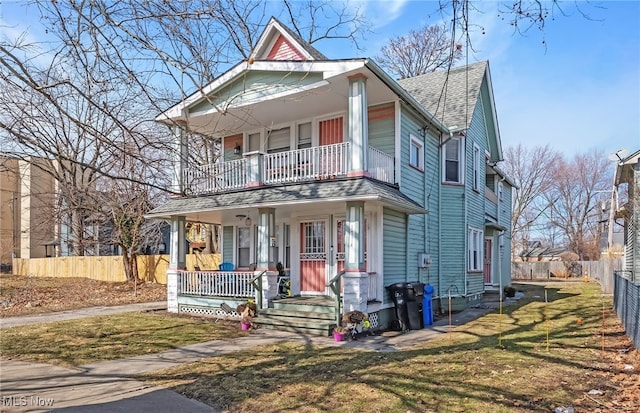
point(93, 339)
point(467, 371)
point(35, 295)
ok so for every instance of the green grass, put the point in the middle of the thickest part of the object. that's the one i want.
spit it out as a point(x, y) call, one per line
point(93, 339)
point(498, 363)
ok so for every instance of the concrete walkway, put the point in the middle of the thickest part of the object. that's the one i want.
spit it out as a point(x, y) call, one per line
point(110, 386)
point(80, 313)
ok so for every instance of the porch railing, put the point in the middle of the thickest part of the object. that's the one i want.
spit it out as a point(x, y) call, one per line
point(318, 162)
point(381, 165)
point(216, 177)
point(216, 284)
point(334, 284)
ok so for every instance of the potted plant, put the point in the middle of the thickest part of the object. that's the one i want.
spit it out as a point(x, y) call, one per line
point(339, 333)
point(247, 312)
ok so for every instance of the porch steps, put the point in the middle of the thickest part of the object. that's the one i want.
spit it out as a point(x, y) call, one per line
point(307, 315)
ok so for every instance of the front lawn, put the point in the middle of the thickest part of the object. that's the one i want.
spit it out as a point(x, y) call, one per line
point(494, 364)
point(93, 339)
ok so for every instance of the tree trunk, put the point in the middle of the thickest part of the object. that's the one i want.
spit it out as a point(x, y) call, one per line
point(130, 266)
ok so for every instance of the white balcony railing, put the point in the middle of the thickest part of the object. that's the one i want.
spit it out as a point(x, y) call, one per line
point(216, 283)
point(318, 162)
point(381, 165)
point(216, 177)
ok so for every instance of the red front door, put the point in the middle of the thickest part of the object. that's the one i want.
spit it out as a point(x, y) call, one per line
point(313, 257)
point(487, 260)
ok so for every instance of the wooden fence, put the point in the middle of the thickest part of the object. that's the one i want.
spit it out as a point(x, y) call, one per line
point(152, 268)
point(600, 271)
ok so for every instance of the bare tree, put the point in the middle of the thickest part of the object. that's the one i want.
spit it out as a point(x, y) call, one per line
point(420, 51)
point(532, 171)
point(85, 99)
point(574, 198)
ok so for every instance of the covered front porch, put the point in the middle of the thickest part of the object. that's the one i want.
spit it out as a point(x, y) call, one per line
point(326, 236)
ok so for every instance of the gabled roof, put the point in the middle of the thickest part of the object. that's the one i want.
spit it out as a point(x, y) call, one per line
point(278, 42)
point(453, 104)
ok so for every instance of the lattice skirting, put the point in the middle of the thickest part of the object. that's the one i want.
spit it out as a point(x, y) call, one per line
point(206, 311)
point(374, 319)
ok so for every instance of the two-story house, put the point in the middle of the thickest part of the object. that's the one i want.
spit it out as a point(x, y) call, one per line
point(348, 178)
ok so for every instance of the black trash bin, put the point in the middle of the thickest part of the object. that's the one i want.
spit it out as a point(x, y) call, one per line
point(415, 292)
point(399, 294)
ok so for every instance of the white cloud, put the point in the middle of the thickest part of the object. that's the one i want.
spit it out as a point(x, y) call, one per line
point(382, 13)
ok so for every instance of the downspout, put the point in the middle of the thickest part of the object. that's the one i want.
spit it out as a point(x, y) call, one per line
point(426, 204)
point(406, 247)
point(466, 219)
point(439, 180)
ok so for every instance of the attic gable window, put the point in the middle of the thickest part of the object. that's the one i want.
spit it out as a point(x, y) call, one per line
point(452, 161)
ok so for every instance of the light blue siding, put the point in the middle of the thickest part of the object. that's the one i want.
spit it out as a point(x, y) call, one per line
point(256, 85)
point(227, 244)
point(382, 131)
point(395, 248)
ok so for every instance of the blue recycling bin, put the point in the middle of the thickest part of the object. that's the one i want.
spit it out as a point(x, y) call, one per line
point(427, 305)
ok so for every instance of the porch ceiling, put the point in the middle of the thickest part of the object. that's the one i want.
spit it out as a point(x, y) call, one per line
point(327, 96)
point(224, 207)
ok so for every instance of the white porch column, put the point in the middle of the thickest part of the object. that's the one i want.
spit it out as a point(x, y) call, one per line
point(269, 287)
point(356, 279)
point(266, 253)
point(177, 261)
point(254, 168)
point(180, 158)
point(358, 125)
point(266, 239)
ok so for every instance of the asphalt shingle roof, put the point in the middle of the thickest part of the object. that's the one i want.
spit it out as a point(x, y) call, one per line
point(453, 104)
point(339, 189)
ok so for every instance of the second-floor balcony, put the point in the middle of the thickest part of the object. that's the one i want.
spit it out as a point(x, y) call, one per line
point(300, 165)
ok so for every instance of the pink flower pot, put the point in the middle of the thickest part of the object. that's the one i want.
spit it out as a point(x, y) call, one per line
point(338, 336)
point(246, 326)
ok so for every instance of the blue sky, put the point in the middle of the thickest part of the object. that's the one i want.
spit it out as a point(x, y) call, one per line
point(579, 92)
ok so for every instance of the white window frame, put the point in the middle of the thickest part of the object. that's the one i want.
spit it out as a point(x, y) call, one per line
point(268, 147)
point(460, 161)
point(418, 145)
point(296, 138)
point(475, 245)
point(476, 167)
point(500, 190)
point(246, 140)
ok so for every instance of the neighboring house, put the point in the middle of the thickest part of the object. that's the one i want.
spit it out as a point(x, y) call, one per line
point(342, 174)
point(27, 202)
point(628, 174)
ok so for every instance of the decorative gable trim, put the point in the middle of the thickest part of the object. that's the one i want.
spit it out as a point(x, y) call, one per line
point(277, 43)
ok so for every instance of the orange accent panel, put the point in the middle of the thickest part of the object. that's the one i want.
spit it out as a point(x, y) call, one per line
point(312, 276)
point(284, 50)
point(383, 112)
point(230, 142)
point(331, 131)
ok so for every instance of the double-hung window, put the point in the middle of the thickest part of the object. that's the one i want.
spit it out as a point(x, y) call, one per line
point(452, 160)
point(278, 140)
point(474, 246)
point(416, 153)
